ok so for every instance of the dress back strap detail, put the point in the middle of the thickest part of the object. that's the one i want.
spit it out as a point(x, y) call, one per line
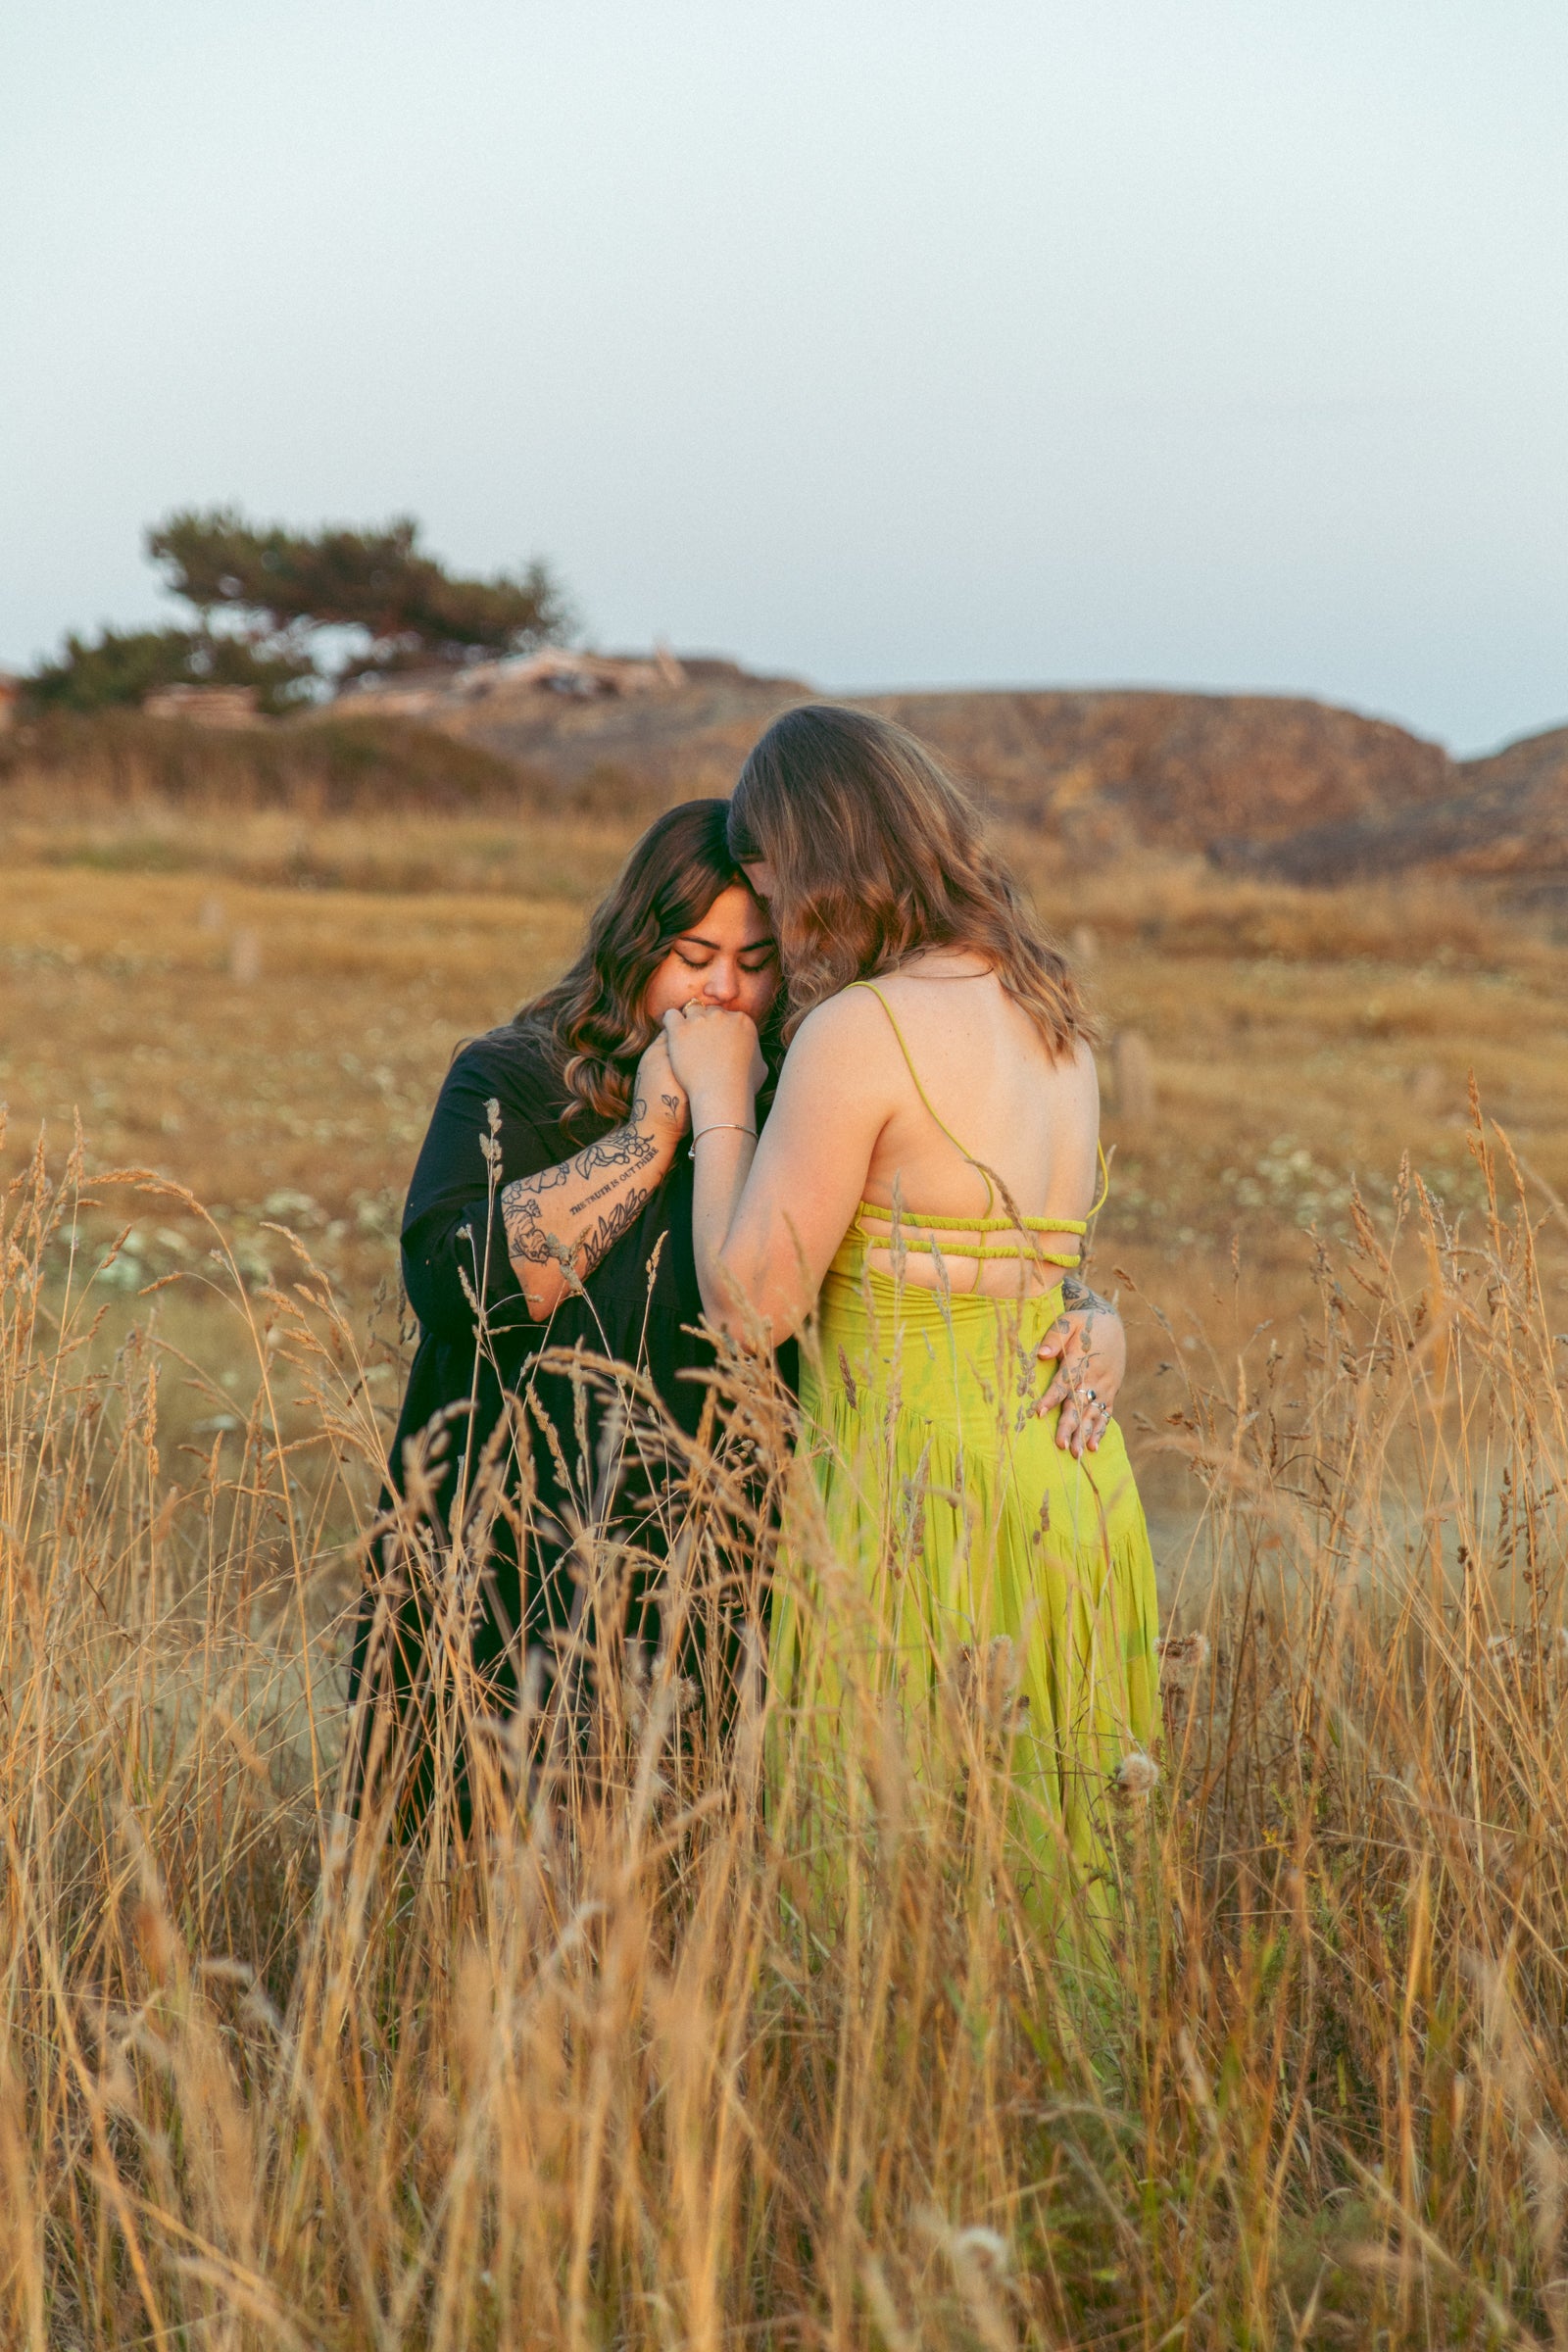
point(1104, 1185)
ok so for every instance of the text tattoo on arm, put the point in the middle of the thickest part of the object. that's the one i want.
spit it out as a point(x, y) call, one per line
point(574, 1208)
point(623, 1149)
point(530, 1243)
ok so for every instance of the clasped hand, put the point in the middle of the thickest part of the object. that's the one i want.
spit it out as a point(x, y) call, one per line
point(717, 1057)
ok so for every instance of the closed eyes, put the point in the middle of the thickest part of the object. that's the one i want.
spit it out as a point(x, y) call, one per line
point(761, 957)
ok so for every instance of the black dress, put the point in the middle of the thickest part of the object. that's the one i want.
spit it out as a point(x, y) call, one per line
point(454, 1252)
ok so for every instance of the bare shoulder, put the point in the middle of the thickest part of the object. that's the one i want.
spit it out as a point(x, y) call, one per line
point(843, 1044)
point(849, 1021)
point(1069, 1072)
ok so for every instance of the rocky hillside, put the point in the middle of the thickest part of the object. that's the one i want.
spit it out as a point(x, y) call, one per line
point(1177, 771)
point(1107, 771)
point(1270, 785)
point(1502, 821)
point(675, 743)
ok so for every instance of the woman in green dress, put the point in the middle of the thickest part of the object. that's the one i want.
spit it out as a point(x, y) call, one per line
point(919, 1197)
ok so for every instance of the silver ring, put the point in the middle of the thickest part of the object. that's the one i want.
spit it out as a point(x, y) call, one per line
point(1090, 1396)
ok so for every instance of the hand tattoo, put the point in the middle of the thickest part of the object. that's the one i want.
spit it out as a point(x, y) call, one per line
point(1077, 1299)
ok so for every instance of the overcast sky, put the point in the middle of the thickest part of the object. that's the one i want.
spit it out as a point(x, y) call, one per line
point(1199, 342)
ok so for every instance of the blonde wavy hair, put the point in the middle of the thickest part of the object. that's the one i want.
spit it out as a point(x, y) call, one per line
point(876, 853)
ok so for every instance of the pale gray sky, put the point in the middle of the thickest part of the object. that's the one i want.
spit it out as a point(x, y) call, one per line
point(1206, 342)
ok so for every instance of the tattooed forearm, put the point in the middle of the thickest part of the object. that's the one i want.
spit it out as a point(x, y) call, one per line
point(544, 1230)
point(612, 1224)
point(623, 1149)
point(527, 1238)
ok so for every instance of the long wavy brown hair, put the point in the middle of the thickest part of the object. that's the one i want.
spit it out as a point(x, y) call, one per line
point(592, 1022)
point(876, 853)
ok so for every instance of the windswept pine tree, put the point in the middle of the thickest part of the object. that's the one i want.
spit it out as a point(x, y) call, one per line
point(286, 613)
point(405, 608)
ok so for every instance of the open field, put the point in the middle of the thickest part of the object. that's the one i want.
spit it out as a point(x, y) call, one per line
point(624, 2073)
point(261, 1006)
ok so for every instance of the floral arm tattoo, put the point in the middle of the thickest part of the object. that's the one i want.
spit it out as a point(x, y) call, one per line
point(573, 1238)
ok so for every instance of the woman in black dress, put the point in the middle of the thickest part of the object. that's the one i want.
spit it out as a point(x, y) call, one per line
point(550, 1208)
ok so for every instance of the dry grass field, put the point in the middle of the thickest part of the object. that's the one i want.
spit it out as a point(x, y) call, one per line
point(260, 1006)
point(622, 2073)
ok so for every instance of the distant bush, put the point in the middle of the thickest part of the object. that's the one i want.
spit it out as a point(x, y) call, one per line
point(314, 765)
point(122, 667)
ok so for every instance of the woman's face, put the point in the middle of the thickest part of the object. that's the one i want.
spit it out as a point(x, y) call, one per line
point(728, 959)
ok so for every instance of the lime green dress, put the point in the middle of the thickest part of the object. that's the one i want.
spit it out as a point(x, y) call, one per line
point(948, 1558)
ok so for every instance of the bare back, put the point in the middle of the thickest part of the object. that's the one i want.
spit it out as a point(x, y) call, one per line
point(932, 1080)
point(959, 1055)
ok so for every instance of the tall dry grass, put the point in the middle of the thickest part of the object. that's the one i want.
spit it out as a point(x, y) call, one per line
point(620, 2067)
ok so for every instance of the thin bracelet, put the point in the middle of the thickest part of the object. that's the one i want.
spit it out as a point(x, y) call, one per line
point(717, 1127)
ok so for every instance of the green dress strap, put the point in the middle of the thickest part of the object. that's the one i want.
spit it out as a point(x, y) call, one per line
point(909, 1059)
